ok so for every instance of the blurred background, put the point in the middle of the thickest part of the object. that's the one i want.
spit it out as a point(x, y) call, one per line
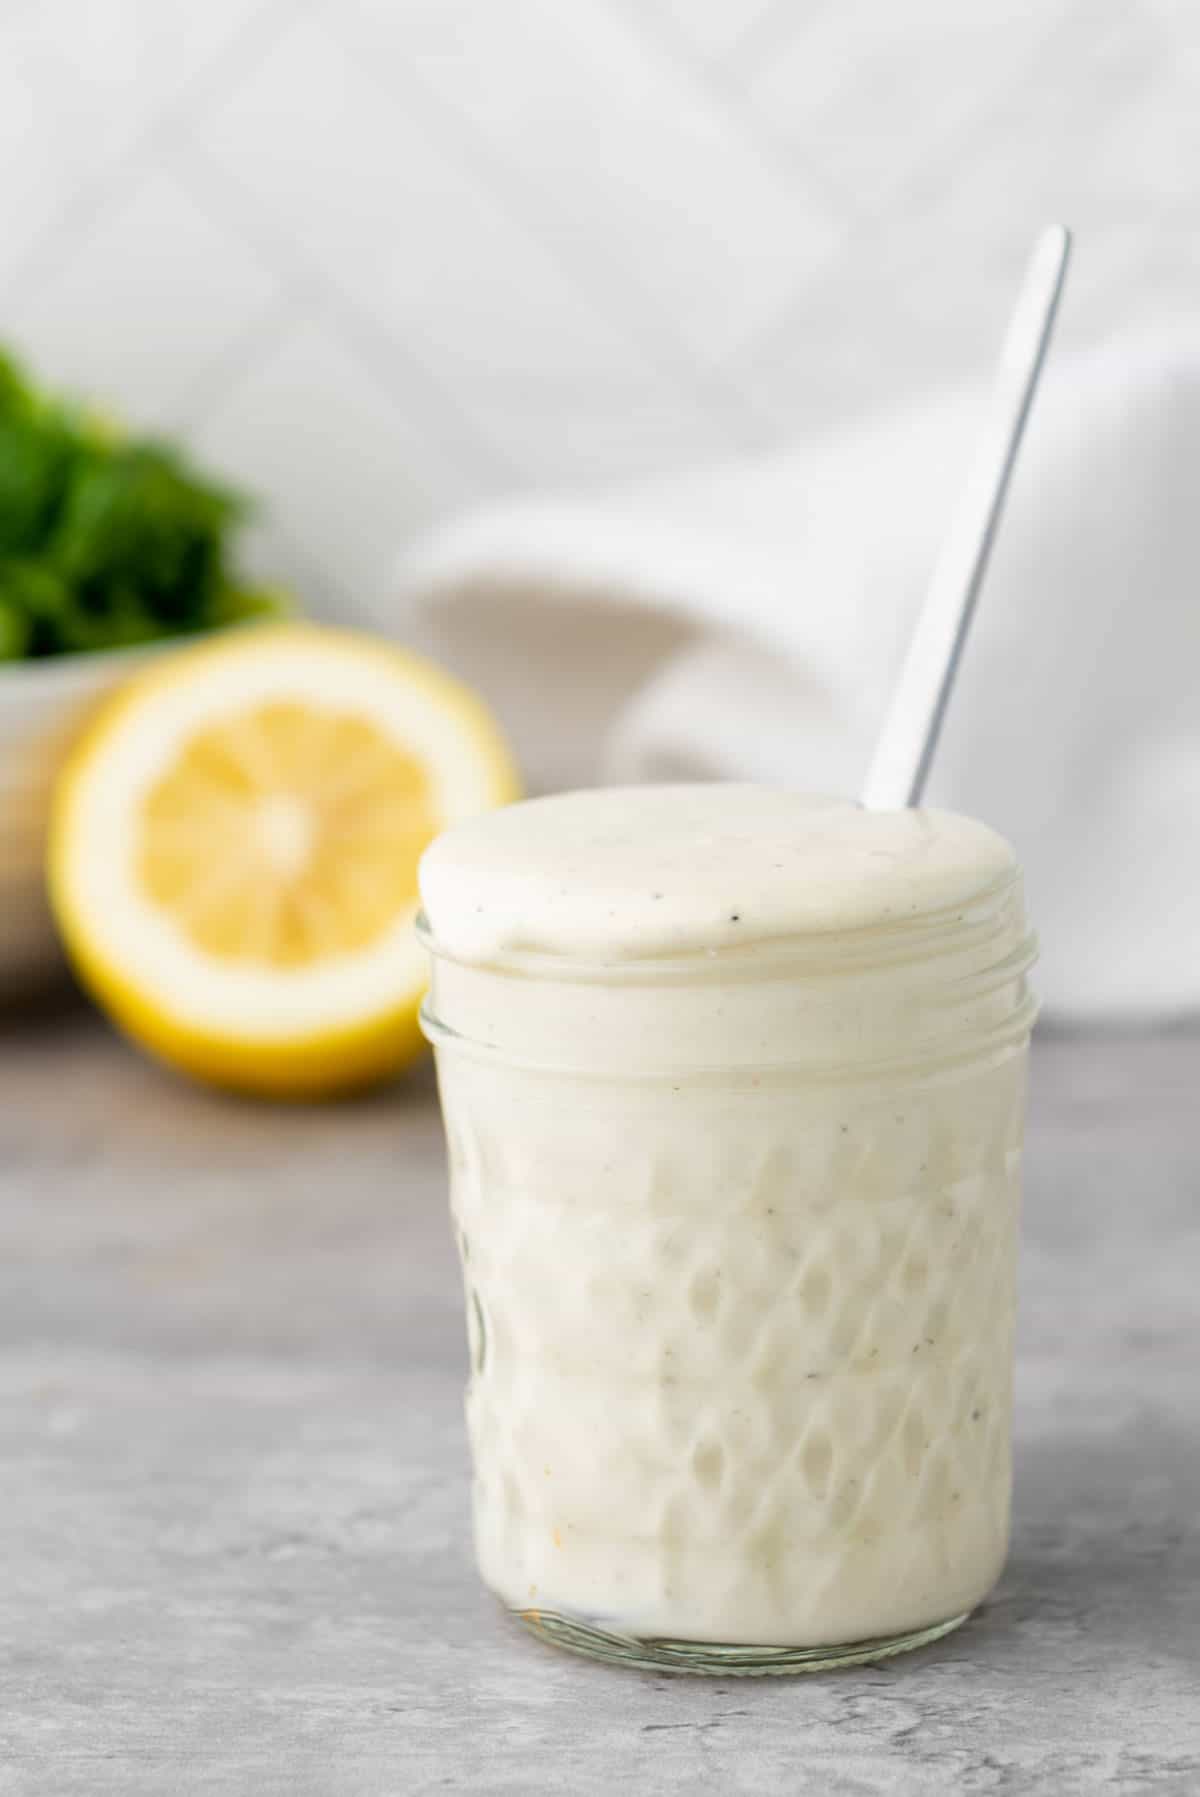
point(381, 259)
point(628, 358)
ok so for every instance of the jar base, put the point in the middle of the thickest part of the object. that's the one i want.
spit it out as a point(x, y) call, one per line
point(715, 1659)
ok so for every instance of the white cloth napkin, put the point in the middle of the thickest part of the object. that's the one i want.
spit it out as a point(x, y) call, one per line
point(748, 622)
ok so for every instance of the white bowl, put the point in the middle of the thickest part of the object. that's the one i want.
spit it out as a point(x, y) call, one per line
point(43, 706)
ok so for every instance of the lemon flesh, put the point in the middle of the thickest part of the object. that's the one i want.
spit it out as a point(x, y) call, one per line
point(234, 848)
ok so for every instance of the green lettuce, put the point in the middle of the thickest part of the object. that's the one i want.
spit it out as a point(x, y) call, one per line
point(107, 541)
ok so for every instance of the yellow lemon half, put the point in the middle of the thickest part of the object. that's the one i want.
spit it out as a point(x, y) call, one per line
point(234, 847)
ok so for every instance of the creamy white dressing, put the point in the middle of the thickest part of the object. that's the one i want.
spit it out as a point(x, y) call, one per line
point(637, 872)
point(733, 1087)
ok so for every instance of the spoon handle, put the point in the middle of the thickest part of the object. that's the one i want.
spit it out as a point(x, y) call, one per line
point(906, 745)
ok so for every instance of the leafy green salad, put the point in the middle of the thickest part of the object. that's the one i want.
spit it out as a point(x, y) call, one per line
point(106, 540)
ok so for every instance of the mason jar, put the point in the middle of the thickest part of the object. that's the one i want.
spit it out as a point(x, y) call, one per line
point(738, 1235)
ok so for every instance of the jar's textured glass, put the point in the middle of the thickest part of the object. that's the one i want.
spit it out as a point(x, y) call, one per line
point(741, 1342)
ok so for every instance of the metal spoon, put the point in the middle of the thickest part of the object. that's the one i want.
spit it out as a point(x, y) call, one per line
point(905, 749)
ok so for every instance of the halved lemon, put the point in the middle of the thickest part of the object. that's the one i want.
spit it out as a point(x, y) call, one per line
point(234, 846)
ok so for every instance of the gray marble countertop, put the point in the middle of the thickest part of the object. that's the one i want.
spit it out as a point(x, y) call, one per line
point(235, 1553)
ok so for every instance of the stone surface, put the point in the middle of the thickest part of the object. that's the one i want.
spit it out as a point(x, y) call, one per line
point(234, 1540)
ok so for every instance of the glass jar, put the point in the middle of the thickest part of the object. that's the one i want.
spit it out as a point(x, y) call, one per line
point(738, 1235)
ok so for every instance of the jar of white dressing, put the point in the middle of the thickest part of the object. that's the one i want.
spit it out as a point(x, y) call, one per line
point(733, 1084)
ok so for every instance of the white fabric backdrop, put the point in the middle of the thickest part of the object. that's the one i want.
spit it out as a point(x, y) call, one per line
point(748, 621)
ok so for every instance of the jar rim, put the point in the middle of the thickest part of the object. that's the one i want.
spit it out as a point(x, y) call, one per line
point(1000, 1041)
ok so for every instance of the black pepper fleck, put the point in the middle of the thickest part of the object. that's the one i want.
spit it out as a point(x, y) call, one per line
point(735, 917)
